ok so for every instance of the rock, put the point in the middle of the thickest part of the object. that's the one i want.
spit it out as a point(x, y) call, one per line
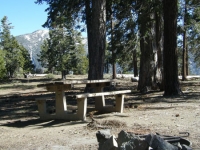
point(110, 144)
point(103, 135)
point(135, 144)
point(157, 143)
point(125, 137)
point(177, 115)
point(134, 79)
point(128, 141)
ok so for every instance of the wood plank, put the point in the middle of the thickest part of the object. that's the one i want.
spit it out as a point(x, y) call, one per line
point(89, 81)
point(102, 93)
point(78, 82)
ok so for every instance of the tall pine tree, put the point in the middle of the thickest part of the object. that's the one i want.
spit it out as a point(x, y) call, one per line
point(63, 51)
point(15, 55)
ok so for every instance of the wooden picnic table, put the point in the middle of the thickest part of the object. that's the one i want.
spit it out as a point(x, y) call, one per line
point(61, 104)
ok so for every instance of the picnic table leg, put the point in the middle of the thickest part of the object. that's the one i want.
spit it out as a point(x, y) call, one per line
point(99, 101)
point(42, 108)
point(82, 108)
point(61, 105)
point(119, 103)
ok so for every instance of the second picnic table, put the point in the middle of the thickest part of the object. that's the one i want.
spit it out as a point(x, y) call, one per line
point(61, 104)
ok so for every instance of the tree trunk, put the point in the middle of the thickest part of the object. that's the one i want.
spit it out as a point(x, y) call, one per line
point(171, 82)
point(184, 58)
point(146, 71)
point(184, 55)
point(63, 75)
point(187, 63)
point(135, 63)
point(106, 68)
point(114, 70)
point(88, 11)
point(148, 58)
point(97, 39)
point(113, 53)
point(159, 44)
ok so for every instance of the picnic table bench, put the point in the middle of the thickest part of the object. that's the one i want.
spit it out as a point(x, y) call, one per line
point(61, 105)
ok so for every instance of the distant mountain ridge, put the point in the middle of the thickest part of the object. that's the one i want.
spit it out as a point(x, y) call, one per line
point(33, 41)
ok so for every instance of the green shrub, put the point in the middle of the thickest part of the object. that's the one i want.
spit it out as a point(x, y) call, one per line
point(49, 76)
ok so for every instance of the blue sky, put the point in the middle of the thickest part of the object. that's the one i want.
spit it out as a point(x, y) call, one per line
point(25, 15)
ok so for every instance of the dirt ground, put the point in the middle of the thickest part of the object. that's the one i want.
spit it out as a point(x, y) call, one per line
point(21, 128)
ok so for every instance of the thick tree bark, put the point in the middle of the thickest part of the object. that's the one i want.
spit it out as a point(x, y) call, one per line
point(159, 44)
point(148, 58)
point(146, 67)
point(96, 38)
point(88, 11)
point(171, 82)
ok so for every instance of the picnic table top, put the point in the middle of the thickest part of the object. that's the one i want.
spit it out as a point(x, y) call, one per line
point(69, 82)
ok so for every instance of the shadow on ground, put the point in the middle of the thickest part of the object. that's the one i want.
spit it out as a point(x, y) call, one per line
point(37, 123)
point(20, 107)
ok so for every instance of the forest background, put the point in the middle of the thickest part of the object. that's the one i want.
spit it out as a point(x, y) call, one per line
point(140, 38)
